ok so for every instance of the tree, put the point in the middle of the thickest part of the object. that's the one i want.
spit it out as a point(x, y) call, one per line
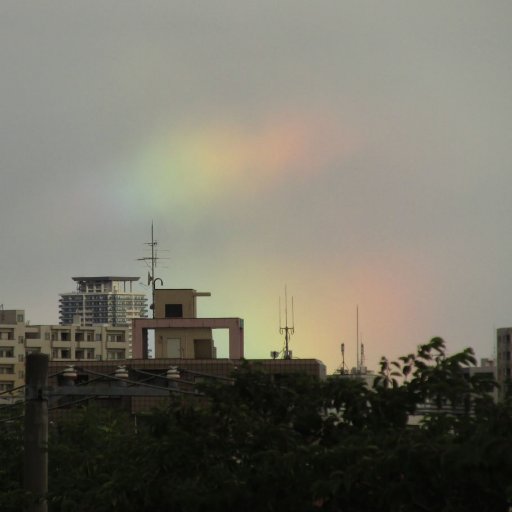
point(292, 442)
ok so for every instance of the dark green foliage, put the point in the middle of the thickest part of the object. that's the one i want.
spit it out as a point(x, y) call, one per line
point(12, 496)
point(291, 443)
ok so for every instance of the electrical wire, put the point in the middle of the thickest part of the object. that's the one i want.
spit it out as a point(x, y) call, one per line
point(143, 384)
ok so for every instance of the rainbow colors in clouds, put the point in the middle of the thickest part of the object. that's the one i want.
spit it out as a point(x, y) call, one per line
point(223, 159)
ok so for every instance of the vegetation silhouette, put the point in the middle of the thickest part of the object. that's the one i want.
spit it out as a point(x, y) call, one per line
point(289, 443)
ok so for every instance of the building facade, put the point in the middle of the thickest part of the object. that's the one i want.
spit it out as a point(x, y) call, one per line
point(12, 349)
point(71, 342)
point(102, 300)
point(503, 357)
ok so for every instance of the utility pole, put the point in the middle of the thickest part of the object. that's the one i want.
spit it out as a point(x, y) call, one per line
point(35, 457)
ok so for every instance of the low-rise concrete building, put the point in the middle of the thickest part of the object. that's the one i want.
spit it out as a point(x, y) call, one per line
point(61, 342)
point(180, 333)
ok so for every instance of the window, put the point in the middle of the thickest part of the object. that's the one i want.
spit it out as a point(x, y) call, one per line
point(21, 358)
point(115, 354)
point(174, 311)
point(20, 339)
point(115, 337)
point(46, 335)
point(6, 369)
point(19, 318)
point(98, 337)
point(61, 353)
point(34, 350)
point(86, 353)
point(7, 352)
point(6, 386)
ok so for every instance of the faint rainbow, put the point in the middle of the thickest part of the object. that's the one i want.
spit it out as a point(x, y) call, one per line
point(208, 163)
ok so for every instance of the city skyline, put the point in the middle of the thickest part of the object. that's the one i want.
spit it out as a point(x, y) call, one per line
point(356, 152)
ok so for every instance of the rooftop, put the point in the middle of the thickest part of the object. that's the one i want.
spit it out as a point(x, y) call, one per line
point(104, 279)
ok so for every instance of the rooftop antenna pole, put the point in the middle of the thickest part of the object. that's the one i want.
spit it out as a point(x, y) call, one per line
point(151, 277)
point(152, 251)
point(152, 269)
point(343, 358)
point(286, 330)
point(357, 339)
point(285, 305)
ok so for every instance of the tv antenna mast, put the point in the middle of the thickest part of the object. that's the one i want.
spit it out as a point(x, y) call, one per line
point(152, 280)
point(286, 329)
point(343, 368)
point(357, 340)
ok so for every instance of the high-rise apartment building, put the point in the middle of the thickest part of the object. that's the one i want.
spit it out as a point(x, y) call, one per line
point(102, 300)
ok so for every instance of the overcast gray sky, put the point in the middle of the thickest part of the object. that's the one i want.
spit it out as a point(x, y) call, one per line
point(359, 151)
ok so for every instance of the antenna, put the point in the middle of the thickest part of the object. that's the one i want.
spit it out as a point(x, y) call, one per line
point(362, 355)
point(343, 358)
point(151, 275)
point(357, 338)
point(286, 329)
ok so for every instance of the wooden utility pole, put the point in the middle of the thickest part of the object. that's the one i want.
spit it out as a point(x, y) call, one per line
point(35, 458)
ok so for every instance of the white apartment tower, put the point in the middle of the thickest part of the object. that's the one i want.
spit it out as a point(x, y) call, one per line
point(102, 300)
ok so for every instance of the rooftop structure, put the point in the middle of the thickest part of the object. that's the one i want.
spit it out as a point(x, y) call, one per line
point(179, 333)
point(150, 379)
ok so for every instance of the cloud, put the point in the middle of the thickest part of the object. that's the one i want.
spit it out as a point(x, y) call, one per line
point(224, 159)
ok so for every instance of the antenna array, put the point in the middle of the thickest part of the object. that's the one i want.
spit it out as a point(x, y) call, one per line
point(287, 330)
point(360, 367)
